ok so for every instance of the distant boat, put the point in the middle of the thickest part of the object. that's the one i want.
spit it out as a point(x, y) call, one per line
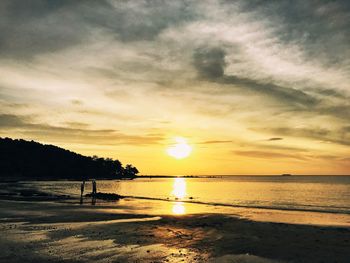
point(286, 175)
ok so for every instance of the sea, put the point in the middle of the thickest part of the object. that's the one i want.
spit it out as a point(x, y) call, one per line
point(325, 194)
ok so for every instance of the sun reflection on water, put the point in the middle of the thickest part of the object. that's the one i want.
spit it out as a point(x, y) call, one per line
point(179, 192)
point(179, 188)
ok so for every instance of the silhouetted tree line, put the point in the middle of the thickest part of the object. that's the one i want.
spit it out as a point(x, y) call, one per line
point(20, 159)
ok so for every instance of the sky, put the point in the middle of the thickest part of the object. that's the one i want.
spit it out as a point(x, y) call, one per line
point(254, 87)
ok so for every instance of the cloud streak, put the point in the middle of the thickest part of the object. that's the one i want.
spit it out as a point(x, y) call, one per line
point(268, 155)
point(23, 126)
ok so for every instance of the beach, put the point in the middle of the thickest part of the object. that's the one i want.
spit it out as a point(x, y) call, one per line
point(55, 229)
point(175, 131)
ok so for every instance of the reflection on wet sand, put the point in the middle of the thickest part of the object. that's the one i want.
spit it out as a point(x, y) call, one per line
point(98, 234)
point(179, 208)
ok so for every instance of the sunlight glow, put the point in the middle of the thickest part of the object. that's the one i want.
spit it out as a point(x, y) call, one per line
point(179, 188)
point(179, 208)
point(179, 150)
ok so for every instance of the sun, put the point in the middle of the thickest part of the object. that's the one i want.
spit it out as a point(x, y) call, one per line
point(180, 149)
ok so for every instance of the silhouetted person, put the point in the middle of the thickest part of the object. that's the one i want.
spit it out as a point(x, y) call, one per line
point(94, 188)
point(94, 191)
point(82, 187)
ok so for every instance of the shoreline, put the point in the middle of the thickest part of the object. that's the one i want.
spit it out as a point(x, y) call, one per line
point(61, 231)
point(345, 212)
point(161, 207)
point(166, 206)
point(21, 190)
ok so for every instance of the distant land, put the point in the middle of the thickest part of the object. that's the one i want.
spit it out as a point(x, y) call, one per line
point(30, 160)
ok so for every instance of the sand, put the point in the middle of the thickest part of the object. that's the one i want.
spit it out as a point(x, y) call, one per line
point(63, 231)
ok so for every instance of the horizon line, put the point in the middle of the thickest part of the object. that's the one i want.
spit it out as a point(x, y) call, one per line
point(217, 175)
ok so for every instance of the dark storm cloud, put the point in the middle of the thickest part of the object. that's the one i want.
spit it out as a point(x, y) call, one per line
point(25, 126)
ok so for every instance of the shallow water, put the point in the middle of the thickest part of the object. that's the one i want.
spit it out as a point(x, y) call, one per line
point(330, 194)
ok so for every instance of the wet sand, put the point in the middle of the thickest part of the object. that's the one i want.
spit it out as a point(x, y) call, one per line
point(64, 231)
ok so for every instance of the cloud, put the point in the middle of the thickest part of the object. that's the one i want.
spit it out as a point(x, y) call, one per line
point(341, 111)
point(75, 124)
point(309, 24)
point(285, 153)
point(346, 129)
point(210, 65)
point(100, 72)
point(41, 26)
point(209, 62)
point(143, 20)
point(338, 136)
point(268, 155)
point(275, 139)
point(284, 94)
point(77, 102)
point(347, 159)
point(215, 142)
point(23, 125)
point(10, 121)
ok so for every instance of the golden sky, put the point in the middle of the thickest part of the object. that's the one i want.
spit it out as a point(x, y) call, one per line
point(254, 87)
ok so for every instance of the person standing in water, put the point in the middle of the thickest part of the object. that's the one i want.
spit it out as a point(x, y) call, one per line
point(94, 188)
point(82, 187)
